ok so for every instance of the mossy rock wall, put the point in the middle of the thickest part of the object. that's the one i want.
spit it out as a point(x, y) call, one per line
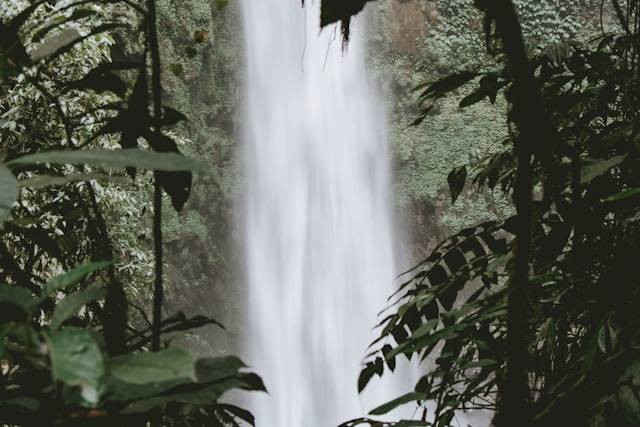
point(418, 41)
point(201, 41)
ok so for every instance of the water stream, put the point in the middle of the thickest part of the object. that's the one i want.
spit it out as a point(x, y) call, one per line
point(319, 236)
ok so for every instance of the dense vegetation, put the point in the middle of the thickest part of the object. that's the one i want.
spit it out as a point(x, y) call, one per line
point(82, 122)
point(525, 305)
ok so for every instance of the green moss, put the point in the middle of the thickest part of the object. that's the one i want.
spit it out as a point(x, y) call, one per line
point(206, 93)
point(189, 225)
point(424, 155)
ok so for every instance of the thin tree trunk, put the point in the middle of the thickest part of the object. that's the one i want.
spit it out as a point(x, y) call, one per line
point(158, 291)
point(528, 114)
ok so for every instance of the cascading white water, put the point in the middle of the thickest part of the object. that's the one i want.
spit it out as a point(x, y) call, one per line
point(318, 224)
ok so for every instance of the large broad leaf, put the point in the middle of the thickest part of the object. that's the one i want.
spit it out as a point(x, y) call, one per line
point(631, 192)
point(389, 406)
point(8, 193)
point(16, 303)
point(596, 168)
point(132, 157)
point(121, 391)
point(147, 368)
point(196, 394)
point(72, 277)
point(58, 20)
point(629, 402)
point(77, 361)
point(176, 184)
point(66, 37)
point(214, 368)
point(69, 306)
point(102, 78)
point(66, 40)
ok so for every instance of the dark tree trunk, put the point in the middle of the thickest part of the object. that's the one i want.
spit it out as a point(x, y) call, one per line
point(529, 115)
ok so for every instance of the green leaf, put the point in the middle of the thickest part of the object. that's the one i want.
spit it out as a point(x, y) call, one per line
point(425, 328)
point(77, 361)
point(24, 403)
point(50, 46)
point(623, 195)
point(214, 368)
point(65, 41)
point(448, 84)
point(120, 391)
point(146, 368)
point(194, 394)
point(457, 179)
point(365, 376)
point(489, 87)
point(473, 98)
point(251, 382)
point(602, 339)
point(177, 69)
point(595, 168)
point(479, 364)
point(629, 403)
point(391, 405)
point(101, 80)
point(69, 306)
point(72, 277)
point(176, 184)
point(59, 20)
point(12, 297)
point(131, 157)
point(411, 346)
point(8, 193)
point(237, 412)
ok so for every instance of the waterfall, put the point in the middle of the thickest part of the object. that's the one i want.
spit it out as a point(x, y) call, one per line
point(318, 223)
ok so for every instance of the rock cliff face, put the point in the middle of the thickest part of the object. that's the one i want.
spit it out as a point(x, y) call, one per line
point(201, 41)
point(409, 22)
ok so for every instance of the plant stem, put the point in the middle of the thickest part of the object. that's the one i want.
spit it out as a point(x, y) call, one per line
point(156, 87)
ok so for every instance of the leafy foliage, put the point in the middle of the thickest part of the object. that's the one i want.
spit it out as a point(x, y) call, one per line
point(70, 353)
